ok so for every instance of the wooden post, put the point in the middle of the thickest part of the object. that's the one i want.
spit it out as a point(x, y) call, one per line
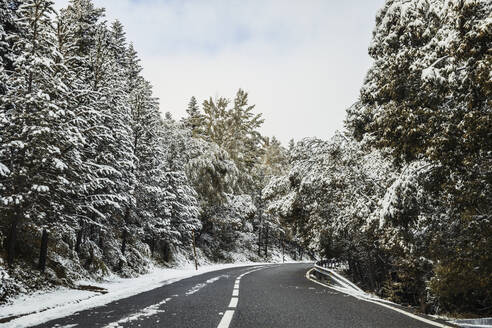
point(194, 249)
point(11, 243)
point(43, 252)
point(283, 257)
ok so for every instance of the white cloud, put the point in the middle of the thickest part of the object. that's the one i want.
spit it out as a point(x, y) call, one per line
point(302, 62)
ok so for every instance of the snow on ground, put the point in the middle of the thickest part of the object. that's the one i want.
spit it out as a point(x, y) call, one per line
point(45, 306)
point(475, 323)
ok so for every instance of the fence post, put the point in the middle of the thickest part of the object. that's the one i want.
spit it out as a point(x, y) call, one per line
point(43, 252)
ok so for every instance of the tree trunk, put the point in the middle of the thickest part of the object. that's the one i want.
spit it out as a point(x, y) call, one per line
point(283, 250)
point(101, 242)
point(166, 252)
point(259, 241)
point(80, 234)
point(371, 275)
point(152, 247)
point(266, 241)
point(123, 244)
point(194, 250)
point(11, 243)
point(43, 252)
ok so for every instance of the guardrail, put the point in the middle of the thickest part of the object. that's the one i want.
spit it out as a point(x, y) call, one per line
point(329, 263)
point(325, 270)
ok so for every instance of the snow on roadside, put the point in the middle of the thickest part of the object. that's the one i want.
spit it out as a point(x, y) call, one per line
point(345, 286)
point(45, 306)
point(473, 323)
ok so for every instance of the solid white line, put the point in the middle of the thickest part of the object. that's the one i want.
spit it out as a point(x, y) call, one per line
point(235, 292)
point(233, 303)
point(226, 319)
point(411, 315)
point(236, 286)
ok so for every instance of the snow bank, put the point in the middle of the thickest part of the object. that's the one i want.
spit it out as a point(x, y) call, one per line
point(482, 323)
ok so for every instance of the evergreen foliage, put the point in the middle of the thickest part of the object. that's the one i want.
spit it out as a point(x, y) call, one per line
point(404, 196)
point(85, 153)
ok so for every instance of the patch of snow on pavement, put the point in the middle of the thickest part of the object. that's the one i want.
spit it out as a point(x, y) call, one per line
point(201, 285)
point(144, 313)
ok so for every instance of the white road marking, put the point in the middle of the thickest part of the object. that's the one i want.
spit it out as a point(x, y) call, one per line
point(233, 303)
point(411, 315)
point(227, 318)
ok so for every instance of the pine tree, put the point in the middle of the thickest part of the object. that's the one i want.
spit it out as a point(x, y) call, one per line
point(99, 97)
point(78, 34)
point(38, 136)
point(235, 130)
point(427, 98)
point(7, 26)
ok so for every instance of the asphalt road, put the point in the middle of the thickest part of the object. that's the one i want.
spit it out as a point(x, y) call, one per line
point(267, 297)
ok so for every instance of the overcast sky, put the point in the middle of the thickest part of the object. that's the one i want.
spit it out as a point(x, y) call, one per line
point(301, 61)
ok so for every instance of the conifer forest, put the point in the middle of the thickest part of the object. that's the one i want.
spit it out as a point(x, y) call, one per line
point(97, 180)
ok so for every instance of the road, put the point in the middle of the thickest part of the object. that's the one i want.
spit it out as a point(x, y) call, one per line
point(269, 296)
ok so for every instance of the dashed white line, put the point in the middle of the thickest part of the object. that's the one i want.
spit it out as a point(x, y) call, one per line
point(233, 303)
point(227, 317)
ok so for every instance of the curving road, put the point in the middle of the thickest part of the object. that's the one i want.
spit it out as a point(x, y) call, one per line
point(257, 296)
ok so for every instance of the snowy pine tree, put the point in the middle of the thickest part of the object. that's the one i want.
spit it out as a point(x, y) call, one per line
point(38, 135)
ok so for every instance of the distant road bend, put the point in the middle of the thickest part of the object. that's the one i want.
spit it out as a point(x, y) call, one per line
point(256, 296)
